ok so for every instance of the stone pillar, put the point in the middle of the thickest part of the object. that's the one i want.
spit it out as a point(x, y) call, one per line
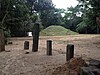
point(35, 37)
point(26, 45)
point(70, 52)
point(49, 47)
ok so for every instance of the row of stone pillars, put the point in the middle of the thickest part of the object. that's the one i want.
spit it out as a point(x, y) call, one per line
point(36, 30)
point(69, 49)
point(26, 44)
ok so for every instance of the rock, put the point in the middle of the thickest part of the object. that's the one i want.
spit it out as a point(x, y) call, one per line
point(10, 42)
point(95, 63)
point(85, 71)
point(26, 52)
point(96, 71)
point(91, 70)
point(7, 50)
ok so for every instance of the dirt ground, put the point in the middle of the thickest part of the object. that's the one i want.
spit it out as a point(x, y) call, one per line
point(14, 61)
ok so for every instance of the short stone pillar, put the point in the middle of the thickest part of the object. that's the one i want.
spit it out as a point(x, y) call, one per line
point(26, 45)
point(2, 41)
point(69, 52)
point(49, 47)
point(35, 37)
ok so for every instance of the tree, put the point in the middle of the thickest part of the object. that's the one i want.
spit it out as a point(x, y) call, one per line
point(51, 17)
point(72, 17)
point(91, 12)
point(16, 16)
point(20, 15)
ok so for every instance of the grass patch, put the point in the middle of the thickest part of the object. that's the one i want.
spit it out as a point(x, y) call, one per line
point(56, 31)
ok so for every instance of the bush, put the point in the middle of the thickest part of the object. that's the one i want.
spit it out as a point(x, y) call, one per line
point(7, 33)
point(81, 27)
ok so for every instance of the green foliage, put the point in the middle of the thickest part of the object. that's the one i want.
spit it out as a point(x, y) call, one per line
point(51, 17)
point(72, 18)
point(15, 15)
point(56, 31)
point(7, 33)
point(86, 22)
point(19, 15)
point(81, 27)
point(41, 5)
point(91, 10)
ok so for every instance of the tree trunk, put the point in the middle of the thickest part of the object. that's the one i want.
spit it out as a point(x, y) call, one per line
point(97, 29)
point(2, 41)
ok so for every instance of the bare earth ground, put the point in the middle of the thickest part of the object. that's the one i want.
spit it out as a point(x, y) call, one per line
point(16, 62)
